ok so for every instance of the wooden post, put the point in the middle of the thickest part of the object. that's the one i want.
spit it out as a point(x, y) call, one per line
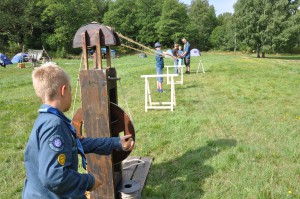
point(97, 91)
point(98, 51)
point(84, 51)
point(108, 57)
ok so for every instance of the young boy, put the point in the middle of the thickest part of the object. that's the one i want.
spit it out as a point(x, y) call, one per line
point(159, 65)
point(51, 154)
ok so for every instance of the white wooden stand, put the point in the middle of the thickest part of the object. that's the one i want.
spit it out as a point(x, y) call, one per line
point(149, 104)
point(200, 65)
point(180, 71)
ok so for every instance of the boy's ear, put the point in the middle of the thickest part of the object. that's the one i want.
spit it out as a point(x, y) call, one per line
point(63, 90)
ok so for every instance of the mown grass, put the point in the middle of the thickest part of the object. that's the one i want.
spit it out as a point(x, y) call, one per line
point(234, 132)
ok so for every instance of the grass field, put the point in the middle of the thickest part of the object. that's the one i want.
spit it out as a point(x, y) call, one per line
point(233, 134)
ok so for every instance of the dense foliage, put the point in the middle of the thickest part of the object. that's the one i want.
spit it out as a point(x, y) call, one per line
point(260, 25)
point(268, 25)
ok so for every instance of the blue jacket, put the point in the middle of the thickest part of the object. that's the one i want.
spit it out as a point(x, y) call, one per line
point(187, 49)
point(159, 59)
point(51, 159)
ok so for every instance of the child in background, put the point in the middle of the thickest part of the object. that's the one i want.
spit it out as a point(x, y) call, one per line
point(51, 154)
point(159, 65)
point(175, 52)
point(180, 59)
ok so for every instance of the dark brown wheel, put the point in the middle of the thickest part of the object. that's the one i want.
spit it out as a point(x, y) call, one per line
point(120, 123)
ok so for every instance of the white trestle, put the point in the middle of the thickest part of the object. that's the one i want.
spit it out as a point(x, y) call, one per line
point(149, 104)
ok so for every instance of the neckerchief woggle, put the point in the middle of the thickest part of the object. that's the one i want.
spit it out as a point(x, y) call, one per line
point(71, 127)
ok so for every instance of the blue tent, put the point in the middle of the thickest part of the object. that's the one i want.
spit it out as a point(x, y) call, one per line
point(19, 58)
point(4, 59)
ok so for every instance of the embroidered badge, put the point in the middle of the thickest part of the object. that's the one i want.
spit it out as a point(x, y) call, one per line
point(56, 143)
point(61, 159)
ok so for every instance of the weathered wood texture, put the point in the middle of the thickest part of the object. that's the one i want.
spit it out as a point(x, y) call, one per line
point(96, 116)
point(136, 172)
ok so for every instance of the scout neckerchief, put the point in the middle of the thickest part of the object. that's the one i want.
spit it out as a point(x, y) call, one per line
point(71, 127)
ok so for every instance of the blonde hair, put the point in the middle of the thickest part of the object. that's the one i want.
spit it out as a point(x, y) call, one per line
point(47, 79)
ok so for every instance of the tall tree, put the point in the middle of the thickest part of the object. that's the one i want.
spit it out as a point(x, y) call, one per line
point(170, 27)
point(12, 28)
point(223, 36)
point(64, 18)
point(267, 24)
point(203, 21)
point(121, 15)
point(148, 14)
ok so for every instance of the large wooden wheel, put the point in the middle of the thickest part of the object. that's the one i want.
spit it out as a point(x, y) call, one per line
point(120, 123)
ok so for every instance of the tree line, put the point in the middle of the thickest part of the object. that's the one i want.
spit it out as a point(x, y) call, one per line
point(271, 26)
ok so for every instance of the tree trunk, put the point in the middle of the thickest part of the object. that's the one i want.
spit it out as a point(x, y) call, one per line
point(258, 51)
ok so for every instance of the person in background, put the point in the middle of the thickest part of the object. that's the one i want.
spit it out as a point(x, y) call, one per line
point(186, 55)
point(159, 65)
point(180, 60)
point(51, 154)
point(176, 54)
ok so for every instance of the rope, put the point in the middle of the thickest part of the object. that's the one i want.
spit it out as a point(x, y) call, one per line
point(132, 41)
point(123, 94)
point(137, 49)
point(77, 85)
point(126, 102)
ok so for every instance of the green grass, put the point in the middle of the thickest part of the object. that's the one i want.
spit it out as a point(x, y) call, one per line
point(233, 134)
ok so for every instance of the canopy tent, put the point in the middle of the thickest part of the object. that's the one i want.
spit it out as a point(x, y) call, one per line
point(4, 60)
point(19, 58)
point(195, 52)
point(35, 54)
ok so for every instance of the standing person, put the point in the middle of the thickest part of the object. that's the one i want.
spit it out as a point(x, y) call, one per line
point(159, 65)
point(186, 55)
point(51, 154)
point(180, 59)
point(175, 53)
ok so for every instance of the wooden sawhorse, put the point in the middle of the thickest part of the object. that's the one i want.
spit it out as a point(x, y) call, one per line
point(149, 104)
point(200, 65)
point(180, 73)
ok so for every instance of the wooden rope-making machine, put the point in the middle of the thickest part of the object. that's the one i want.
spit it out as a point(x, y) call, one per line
point(100, 114)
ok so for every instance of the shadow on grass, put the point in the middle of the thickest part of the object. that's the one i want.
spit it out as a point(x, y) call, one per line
point(183, 177)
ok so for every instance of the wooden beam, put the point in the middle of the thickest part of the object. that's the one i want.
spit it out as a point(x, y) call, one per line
point(98, 51)
point(84, 50)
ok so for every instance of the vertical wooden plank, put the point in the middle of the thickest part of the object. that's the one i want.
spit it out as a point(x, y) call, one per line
point(172, 93)
point(108, 57)
point(95, 109)
point(84, 51)
point(149, 92)
point(146, 95)
point(98, 51)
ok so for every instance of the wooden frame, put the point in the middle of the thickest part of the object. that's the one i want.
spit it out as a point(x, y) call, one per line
point(149, 104)
point(200, 65)
point(180, 66)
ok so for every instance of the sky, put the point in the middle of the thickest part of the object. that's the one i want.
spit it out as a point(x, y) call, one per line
point(221, 6)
